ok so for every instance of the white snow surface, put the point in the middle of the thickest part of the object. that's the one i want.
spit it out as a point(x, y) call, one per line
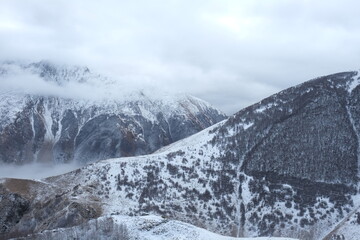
point(263, 108)
point(158, 228)
point(350, 230)
point(194, 142)
point(10, 104)
point(148, 228)
point(354, 83)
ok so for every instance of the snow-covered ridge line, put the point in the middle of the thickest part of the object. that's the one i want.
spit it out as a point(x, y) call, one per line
point(196, 141)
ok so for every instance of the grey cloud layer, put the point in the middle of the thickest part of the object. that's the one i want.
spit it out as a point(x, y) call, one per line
point(27, 80)
point(231, 53)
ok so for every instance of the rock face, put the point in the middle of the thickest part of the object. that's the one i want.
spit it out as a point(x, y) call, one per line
point(37, 128)
point(13, 207)
point(22, 213)
point(286, 166)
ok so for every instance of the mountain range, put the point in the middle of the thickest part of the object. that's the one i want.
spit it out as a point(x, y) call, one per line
point(60, 129)
point(287, 166)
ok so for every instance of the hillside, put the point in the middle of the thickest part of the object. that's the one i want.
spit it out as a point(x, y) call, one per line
point(284, 167)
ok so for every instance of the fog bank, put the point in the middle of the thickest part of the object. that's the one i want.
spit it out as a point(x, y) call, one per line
point(35, 170)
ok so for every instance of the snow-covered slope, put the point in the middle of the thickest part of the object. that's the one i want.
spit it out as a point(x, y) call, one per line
point(285, 167)
point(349, 229)
point(142, 227)
point(47, 125)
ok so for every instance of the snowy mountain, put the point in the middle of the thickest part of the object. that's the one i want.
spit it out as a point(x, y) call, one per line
point(62, 126)
point(287, 166)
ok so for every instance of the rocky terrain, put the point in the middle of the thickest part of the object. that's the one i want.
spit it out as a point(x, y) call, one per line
point(38, 128)
point(287, 166)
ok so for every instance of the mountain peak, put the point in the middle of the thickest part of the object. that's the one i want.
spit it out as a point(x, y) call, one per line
point(65, 113)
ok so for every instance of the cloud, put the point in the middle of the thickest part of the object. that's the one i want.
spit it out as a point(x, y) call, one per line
point(19, 79)
point(72, 82)
point(231, 53)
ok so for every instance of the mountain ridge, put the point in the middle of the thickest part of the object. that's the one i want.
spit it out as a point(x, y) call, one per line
point(286, 166)
point(37, 128)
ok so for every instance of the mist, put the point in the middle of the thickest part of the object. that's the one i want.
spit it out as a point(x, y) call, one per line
point(35, 170)
point(94, 88)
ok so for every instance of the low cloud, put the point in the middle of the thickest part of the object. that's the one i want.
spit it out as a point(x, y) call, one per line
point(25, 79)
point(19, 80)
point(35, 170)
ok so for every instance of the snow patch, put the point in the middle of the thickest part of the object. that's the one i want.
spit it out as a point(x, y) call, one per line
point(247, 125)
point(146, 228)
point(355, 82)
point(263, 108)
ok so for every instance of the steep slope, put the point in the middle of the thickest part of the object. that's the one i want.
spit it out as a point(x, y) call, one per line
point(38, 128)
point(287, 166)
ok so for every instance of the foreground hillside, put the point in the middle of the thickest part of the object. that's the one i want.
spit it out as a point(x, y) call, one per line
point(144, 228)
point(287, 166)
point(35, 127)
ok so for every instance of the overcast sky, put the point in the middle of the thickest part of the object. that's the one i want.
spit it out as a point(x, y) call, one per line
point(230, 53)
